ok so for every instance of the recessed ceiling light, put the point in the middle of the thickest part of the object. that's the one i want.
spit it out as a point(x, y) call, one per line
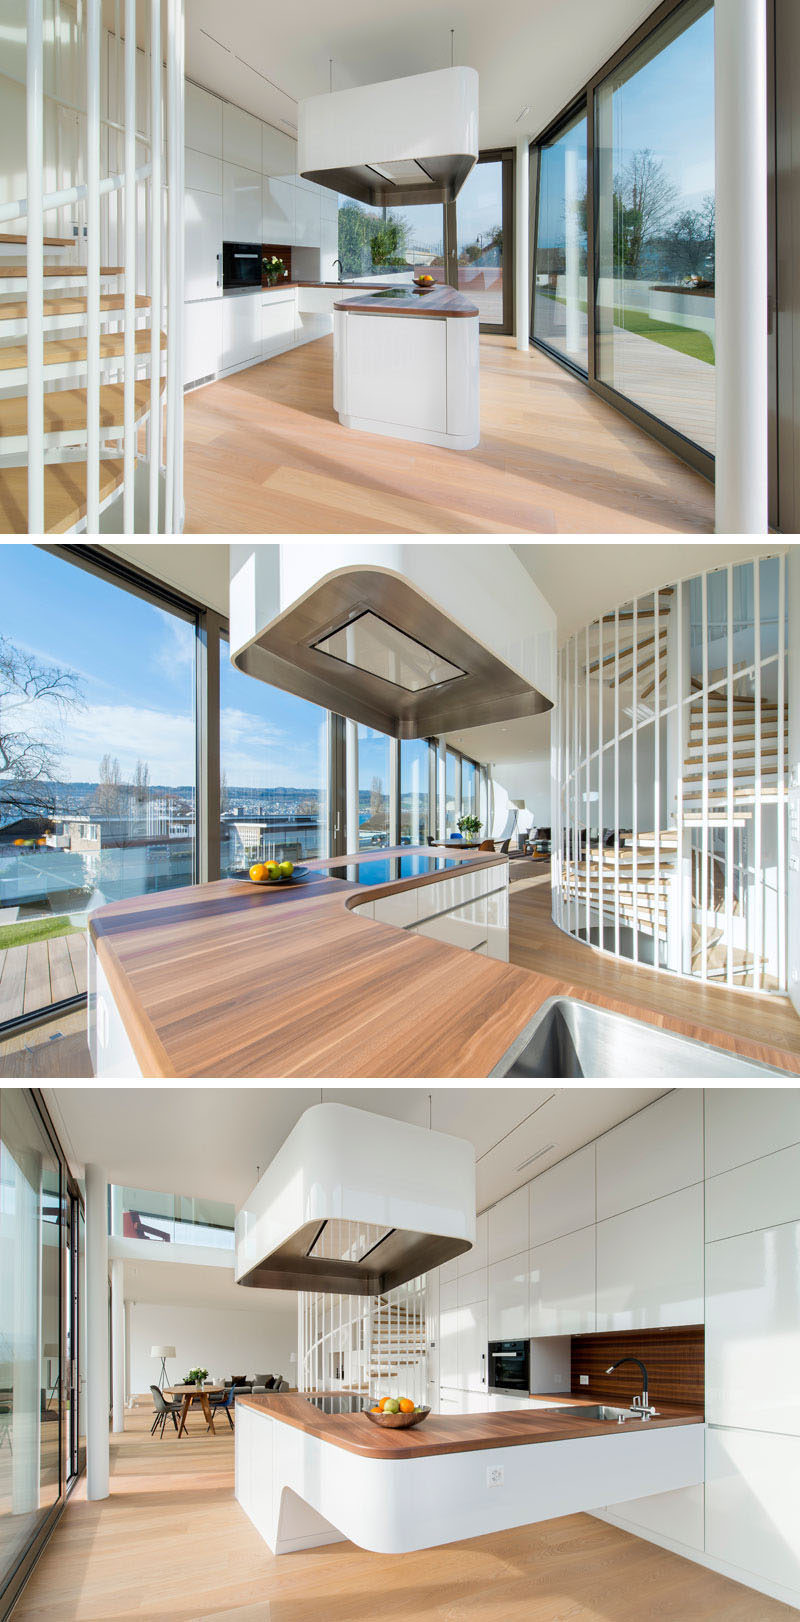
point(537, 1156)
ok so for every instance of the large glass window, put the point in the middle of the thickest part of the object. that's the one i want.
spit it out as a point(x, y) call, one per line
point(560, 270)
point(97, 764)
point(469, 789)
point(415, 823)
point(655, 224)
point(273, 766)
point(373, 787)
point(391, 244)
point(32, 1387)
point(481, 210)
point(452, 791)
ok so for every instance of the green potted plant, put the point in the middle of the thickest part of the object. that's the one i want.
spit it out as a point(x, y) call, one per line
point(196, 1377)
point(469, 827)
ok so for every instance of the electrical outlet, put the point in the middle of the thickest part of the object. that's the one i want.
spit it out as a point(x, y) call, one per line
point(584, 1379)
point(494, 1475)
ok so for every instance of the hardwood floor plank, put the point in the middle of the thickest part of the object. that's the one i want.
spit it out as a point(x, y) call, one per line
point(77, 947)
point(37, 978)
point(12, 983)
point(62, 975)
point(265, 453)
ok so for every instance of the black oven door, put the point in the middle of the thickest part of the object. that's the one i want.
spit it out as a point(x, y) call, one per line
point(241, 265)
point(509, 1365)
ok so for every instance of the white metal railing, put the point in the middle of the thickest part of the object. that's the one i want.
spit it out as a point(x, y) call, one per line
point(126, 212)
point(375, 1346)
point(669, 779)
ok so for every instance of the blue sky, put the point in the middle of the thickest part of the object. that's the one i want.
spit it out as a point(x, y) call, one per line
point(135, 664)
point(668, 106)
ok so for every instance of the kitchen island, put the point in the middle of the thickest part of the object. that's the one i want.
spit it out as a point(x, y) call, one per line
point(313, 980)
point(405, 363)
point(306, 1477)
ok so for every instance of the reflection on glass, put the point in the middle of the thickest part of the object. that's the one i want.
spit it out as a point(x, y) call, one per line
point(138, 1213)
point(479, 212)
point(273, 764)
point(469, 788)
point(656, 225)
point(390, 244)
point(414, 792)
point(452, 794)
point(373, 788)
point(30, 1341)
point(560, 272)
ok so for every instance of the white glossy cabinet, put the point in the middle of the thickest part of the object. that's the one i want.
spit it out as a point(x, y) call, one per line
point(478, 1256)
point(278, 317)
point(448, 1270)
point(203, 121)
point(202, 236)
point(278, 211)
point(509, 1298)
point(278, 152)
point(654, 1153)
point(202, 339)
point(753, 1330)
point(241, 137)
point(508, 1226)
point(650, 1264)
point(761, 1194)
point(448, 1334)
point(678, 1515)
point(563, 1285)
point(307, 216)
point(202, 173)
point(563, 1198)
point(473, 1338)
point(241, 330)
point(744, 1123)
point(396, 372)
point(241, 204)
point(753, 1504)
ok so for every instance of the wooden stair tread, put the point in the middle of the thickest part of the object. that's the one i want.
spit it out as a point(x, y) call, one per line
point(64, 494)
point(77, 304)
point(49, 242)
point(60, 351)
point(66, 409)
point(19, 272)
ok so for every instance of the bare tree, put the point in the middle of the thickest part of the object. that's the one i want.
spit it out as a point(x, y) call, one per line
point(646, 201)
point(224, 798)
point(35, 702)
point(141, 782)
point(110, 794)
point(376, 798)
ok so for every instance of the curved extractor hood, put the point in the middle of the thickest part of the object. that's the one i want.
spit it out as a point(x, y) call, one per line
point(414, 640)
point(411, 140)
point(355, 1204)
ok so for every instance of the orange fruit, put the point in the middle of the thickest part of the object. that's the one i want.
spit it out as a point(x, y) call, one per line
point(406, 1405)
point(258, 871)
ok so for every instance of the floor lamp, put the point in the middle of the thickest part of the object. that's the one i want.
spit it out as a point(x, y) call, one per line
point(163, 1352)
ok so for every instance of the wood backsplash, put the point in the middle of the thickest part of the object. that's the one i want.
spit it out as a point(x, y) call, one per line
point(675, 1360)
point(285, 254)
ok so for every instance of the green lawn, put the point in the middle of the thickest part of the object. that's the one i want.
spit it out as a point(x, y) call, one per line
point(38, 929)
point(685, 339)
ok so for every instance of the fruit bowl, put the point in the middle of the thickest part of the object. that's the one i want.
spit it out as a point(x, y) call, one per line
point(283, 878)
point(397, 1421)
point(424, 287)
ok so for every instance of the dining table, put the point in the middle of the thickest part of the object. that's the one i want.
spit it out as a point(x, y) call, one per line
point(190, 1394)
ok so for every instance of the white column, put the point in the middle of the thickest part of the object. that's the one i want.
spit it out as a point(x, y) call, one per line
point(117, 1346)
point(742, 465)
point(96, 1333)
point(793, 695)
point(522, 298)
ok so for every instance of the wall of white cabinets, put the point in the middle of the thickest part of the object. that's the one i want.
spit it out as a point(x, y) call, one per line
point(688, 1212)
point(242, 185)
point(468, 909)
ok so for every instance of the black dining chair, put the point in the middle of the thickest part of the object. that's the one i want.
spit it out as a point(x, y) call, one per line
point(164, 1410)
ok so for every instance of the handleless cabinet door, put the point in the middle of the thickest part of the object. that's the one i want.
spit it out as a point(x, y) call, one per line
point(473, 1340)
point(508, 1226)
point(202, 236)
point(278, 212)
point(241, 329)
point(202, 339)
point(563, 1198)
point(308, 217)
point(650, 1264)
point(753, 1330)
point(563, 1285)
point(241, 137)
point(477, 1256)
point(753, 1504)
point(203, 121)
point(278, 153)
point(448, 1334)
point(745, 1123)
point(509, 1298)
point(654, 1153)
point(241, 204)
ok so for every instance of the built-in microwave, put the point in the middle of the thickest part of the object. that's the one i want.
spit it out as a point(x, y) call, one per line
point(509, 1365)
point(241, 265)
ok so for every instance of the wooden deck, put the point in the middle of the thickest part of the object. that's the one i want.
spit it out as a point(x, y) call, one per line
point(31, 977)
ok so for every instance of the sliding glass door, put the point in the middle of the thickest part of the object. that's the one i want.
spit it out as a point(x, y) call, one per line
point(484, 215)
point(561, 256)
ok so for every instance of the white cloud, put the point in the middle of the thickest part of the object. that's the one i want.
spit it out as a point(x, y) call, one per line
point(130, 733)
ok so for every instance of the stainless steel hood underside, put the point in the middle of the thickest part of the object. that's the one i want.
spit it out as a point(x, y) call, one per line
point(305, 1262)
point(428, 180)
point(286, 654)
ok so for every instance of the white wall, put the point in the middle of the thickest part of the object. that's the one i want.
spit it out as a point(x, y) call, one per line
point(527, 780)
point(223, 1341)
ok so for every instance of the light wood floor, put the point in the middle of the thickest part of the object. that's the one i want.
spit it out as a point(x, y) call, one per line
point(536, 943)
point(172, 1545)
point(265, 453)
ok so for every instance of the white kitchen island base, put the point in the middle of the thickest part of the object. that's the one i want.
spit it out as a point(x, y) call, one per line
point(301, 1491)
point(408, 367)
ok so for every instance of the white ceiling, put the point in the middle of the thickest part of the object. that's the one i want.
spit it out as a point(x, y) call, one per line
point(528, 53)
point(526, 739)
point(165, 1282)
point(215, 1142)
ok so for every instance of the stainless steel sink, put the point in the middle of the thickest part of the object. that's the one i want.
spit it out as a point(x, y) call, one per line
point(598, 1411)
point(570, 1039)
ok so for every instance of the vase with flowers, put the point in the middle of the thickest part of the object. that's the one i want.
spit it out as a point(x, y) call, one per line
point(273, 268)
point(196, 1376)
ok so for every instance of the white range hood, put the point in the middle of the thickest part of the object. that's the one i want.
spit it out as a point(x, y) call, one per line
point(355, 1204)
point(405, 141)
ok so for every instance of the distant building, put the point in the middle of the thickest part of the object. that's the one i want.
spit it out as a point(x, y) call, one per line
point(76, 835)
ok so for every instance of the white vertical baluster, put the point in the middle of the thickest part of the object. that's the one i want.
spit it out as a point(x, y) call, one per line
point(757, 825)
point(129, 374)
point(174, 224)
point(657, 783)
point(177, 308)
point(587, 779)
point(155, 264)
point(635, 776)
point(704, 807)
point(616, 781)
point(576, 773)
point(600, 770)
point(781, 812)
point(93, 35)
point(729, 790)
point(681, 751)
point(34, 105)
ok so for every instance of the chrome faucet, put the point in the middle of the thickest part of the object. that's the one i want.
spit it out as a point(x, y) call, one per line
point(639, 1405)
point(341, 267)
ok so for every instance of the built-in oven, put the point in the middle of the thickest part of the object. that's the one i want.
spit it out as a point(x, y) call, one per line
point(509, 1366)
point(241, 265)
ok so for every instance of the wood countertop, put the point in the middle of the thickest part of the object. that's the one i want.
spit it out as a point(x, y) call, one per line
point(232, 979)
point(442, 302)
point(454, 1433)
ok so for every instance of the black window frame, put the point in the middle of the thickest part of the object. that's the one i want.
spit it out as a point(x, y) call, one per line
point(506, 155)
